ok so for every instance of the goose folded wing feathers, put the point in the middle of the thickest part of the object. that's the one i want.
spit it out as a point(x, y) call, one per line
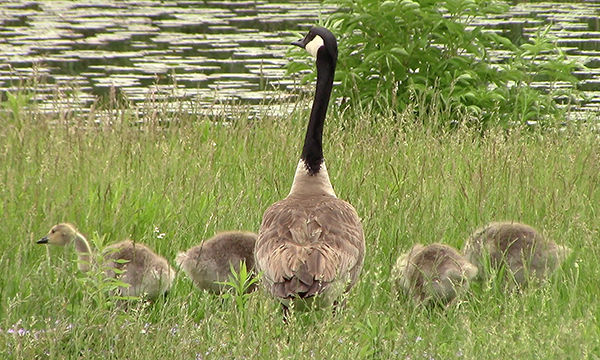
point(303, 245)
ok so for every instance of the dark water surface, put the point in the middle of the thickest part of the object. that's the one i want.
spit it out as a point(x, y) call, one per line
point(206, 52)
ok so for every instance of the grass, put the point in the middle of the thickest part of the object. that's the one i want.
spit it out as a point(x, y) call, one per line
point(193, 178)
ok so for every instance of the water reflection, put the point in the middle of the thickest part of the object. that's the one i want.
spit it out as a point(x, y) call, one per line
point(202, 50)
point(209, 51)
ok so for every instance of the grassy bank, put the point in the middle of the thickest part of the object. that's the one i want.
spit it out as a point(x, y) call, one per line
point(409, 184)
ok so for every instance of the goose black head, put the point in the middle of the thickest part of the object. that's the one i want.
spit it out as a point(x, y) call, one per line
point(319, 41)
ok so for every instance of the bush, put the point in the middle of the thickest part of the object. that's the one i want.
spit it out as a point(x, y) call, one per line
point(395, 54)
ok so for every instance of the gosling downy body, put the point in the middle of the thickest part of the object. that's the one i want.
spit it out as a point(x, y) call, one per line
point(310, 248)
point(210, 262)
point(523, 252)
point(146, 273)
point(435, 273)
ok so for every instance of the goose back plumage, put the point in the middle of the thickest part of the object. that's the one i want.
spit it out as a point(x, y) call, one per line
point(308, 243)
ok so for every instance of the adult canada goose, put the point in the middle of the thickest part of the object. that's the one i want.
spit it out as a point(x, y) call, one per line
point(434, 273)
point(311, 243)
point(523, 252)
point(147, 273)
point(211, 261)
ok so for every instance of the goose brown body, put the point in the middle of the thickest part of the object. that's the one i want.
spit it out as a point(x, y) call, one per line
point(519, 248)
point(308, 245)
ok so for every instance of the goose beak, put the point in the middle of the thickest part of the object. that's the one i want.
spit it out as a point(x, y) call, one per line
point(43, 240)
point(299, 43)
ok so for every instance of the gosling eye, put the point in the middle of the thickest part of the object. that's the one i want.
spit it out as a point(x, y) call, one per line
point(52, 231)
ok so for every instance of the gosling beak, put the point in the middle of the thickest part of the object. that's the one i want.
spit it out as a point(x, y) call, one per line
point(43, 240)
point(299, 43)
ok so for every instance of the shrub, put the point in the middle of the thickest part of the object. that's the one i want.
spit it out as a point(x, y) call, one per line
point(395, 54)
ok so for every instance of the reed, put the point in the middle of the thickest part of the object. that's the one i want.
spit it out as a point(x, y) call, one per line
point(173, 182)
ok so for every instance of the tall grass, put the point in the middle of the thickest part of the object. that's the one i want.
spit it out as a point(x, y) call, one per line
point(409, 184)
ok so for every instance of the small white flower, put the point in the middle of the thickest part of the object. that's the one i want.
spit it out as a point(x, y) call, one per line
point(174, 329)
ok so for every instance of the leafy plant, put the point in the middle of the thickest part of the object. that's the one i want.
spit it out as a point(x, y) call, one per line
point(240, 282)
point(103, 290)
point(395, 54)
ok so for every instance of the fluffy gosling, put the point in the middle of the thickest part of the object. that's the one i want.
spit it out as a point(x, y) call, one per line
point(523, 252)
point(210, 262)
point(146, 273)
point(435, 273)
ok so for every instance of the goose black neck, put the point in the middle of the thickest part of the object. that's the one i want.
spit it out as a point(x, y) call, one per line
point(312, 152)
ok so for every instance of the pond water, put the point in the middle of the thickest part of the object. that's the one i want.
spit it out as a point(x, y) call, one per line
point(199, 53)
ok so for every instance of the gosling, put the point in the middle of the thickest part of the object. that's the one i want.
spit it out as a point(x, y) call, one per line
point(210, 263)
point(433, 274)
point(520, 249)
point(145, 273)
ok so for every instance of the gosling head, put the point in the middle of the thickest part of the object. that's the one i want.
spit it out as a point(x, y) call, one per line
point(319, 42)
point(61, 235)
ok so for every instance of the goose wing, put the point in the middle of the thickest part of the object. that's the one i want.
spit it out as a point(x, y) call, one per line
point(305, 244)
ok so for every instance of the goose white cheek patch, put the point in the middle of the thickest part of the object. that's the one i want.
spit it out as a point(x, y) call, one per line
point(313, 46)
